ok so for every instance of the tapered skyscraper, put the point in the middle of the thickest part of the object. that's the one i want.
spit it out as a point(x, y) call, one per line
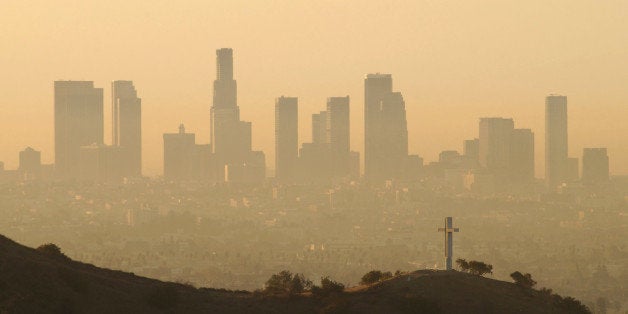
point(286, 137)
point(78, 122)
point(127, 126)
point(556, 147)
point(230, 137)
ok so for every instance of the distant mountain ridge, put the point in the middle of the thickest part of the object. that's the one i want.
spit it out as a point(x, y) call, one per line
point(40, 281)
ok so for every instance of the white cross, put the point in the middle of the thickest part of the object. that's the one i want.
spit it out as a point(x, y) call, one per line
point(449, 240)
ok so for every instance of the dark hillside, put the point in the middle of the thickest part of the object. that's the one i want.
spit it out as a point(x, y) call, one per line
point(45, 281)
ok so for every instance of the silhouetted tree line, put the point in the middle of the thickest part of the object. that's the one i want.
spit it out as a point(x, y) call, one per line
point(287, 283)
point(474, 267)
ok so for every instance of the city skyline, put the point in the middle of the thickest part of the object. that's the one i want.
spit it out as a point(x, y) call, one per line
point(224, 72)
point(439, 83)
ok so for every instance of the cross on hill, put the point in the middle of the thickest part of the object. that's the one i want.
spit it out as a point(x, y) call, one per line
point(449, 240)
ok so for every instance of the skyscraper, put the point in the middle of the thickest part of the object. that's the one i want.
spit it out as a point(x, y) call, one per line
point(385, 130)
point(230, 137)
point(338, 135)
point(471, 149)
point(179, 155)
point(286, 137)
point(319, 127)
point(556, 147)
point(30, 164)
point(78, 122)
point(393, 136)
point(127, 126)
point(375, 87)
point(595, 167)
point(522, 156)
point(226, 128)
point(495, 144)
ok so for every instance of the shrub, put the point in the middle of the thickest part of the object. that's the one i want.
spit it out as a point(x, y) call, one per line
point(523, 280)
point(463, 265)
point(480, 268)
point(51, 250)
point(375, 276)
point(328, 287)
point(285, 282)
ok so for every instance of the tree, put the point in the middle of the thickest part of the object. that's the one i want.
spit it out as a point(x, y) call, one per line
point(375, 276)
point(328, 287)
point(285, 282)
point(523, 280)
point(480, 268)
point(51, 250)
point(462, 264)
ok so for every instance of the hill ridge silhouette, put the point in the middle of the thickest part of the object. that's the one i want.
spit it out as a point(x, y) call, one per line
point(37, 281)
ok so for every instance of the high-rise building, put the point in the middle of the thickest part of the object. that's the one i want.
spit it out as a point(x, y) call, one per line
point(127, 126)
point(319, 127)
point(78, 122)
point(471, 149)
point(230, 137)
point(385, 130)
point(99, 162)
point(522, 156)
point(495, 144)
point(595, 168)
point(179, 153)
point(338, 135)
point(375, 87)
point(394, 136)
point(286, 137)
point(556, 147)
point(30, 164)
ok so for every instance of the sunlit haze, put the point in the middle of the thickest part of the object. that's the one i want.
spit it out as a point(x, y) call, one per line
point(454, 62)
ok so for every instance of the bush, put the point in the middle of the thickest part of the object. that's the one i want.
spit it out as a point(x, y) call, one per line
point(463, 265)
point(375, 276)
point(51, 250)
point(328, 287)
point(285, 282)
point(523, 280)
point(480, 268)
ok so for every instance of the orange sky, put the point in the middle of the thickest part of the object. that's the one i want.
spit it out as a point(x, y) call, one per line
point(454, 61)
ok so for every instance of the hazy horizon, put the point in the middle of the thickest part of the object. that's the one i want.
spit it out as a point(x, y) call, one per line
point(451, 66)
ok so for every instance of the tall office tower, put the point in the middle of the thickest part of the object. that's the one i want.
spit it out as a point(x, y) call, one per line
point(230, 137)
point(338, 135)
point(595, 167)
point(393, 136)
point(127, 126)
point(556, 147)
point(471, 149)
point(314, 158)
point(179, 153)
point(30, 164)
point(319, 127)
point(286, 137)
point(522, 156)
point(78, 122)
point(495, 144)
point(99, 162)
point(375, 87)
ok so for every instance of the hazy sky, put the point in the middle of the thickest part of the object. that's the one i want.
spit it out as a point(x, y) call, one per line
point(454, 61)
